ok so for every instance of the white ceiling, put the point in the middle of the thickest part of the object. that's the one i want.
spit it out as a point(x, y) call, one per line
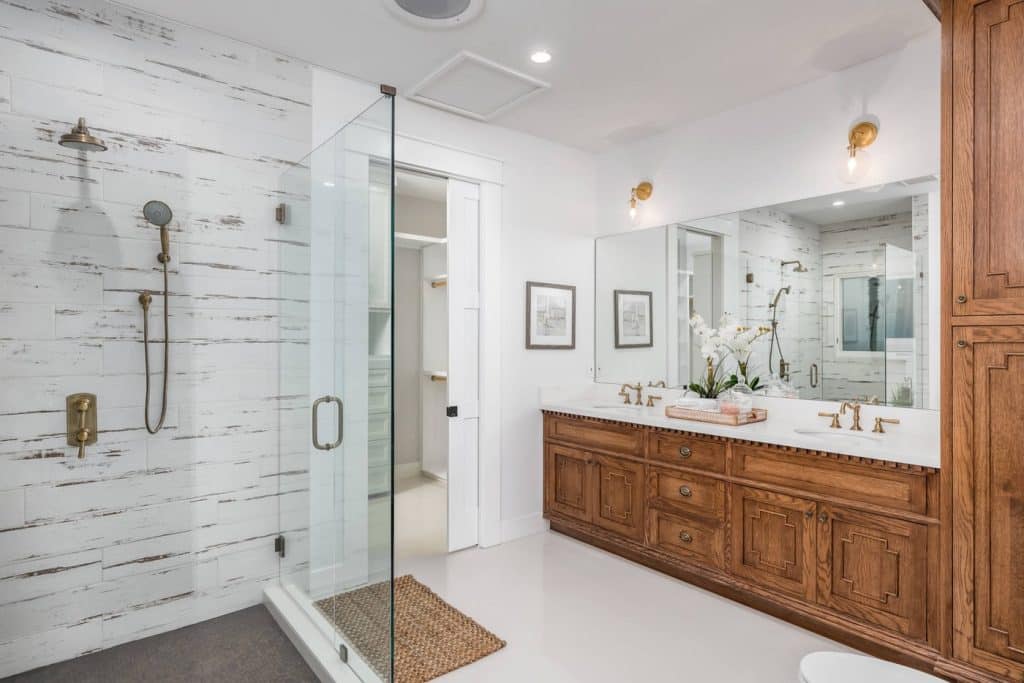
point(882, 200)
point(621, 69)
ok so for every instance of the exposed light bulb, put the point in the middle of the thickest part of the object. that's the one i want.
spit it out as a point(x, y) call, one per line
point(856, 167)
point(632, 213)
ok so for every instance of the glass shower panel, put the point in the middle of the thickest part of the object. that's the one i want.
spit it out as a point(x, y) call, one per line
point(900, 348)
point(335, 418)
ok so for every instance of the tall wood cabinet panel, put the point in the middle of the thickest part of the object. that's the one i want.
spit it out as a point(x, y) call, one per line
point(987, 109)
point(988, 495)
point(773, 540)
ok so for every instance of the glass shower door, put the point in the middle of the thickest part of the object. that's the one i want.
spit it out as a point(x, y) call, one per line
point(335, 454)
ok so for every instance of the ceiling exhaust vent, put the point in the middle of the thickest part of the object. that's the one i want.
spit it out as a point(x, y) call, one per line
point(476, 87)
point(435, 13)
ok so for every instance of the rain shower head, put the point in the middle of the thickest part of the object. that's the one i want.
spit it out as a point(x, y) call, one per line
point(81, 139)
point(799, 268)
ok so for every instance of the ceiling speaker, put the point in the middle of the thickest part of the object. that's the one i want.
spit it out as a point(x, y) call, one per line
point(435, 13)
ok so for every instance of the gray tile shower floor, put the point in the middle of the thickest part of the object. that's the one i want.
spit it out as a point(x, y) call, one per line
point(242, 646)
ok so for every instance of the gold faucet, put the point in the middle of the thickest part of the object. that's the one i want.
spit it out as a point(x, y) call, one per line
point(638, 388)
point(659, 383)
point(651, 398)
point(855, 407)
point(879, 429)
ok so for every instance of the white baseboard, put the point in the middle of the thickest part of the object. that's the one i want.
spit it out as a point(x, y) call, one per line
point(520, 527)
point(407, 470)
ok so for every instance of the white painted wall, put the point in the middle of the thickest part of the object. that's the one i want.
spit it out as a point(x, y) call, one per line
point(636, 262)
point(784, 147)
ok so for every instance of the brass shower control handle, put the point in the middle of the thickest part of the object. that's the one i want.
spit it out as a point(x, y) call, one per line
point(81, 420)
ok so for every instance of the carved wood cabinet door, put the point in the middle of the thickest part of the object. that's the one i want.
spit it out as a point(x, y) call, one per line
point(619, 495)
point(568, 487)
point(988, 498)
point(987, 157)
point(873, 568)
point(773, 538)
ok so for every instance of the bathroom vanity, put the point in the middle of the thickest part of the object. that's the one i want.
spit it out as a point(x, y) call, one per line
point(845, 545)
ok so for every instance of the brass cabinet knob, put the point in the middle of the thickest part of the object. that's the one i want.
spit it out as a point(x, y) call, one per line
point(685, 537)
point(809, 513)
point(685, 452)
point(823, 517)
point(685, 491)
point(962, 299)
point(961, 344)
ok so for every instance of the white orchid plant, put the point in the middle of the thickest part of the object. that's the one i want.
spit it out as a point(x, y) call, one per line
point(718, 345)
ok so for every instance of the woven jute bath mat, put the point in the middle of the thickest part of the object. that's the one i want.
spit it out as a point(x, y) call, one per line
point(431, 637)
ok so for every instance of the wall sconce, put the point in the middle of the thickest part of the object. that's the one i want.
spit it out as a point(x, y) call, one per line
point(640, 193)
point(858, 162)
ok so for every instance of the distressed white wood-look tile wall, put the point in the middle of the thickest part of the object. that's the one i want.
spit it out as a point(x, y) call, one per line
point(146, 533)
point(767, 237)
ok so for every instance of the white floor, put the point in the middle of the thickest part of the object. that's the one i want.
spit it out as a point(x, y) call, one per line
point(421, 517)
point(570, 612)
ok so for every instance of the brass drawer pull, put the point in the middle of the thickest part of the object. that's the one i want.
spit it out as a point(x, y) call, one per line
point(685, 491)
point(962, 299)
point(685, 452)
point(685, 537)
point(823, 517)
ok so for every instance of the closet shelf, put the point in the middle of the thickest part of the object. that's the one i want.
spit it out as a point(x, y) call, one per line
point(413, 241)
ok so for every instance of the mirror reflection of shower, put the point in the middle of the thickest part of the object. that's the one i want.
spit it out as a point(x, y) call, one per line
point(159, 214)
point(775, 342)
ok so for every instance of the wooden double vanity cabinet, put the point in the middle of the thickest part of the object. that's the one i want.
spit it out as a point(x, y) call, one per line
point(845, 546)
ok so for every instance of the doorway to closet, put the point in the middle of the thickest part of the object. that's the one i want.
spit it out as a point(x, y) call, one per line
point(436, 308)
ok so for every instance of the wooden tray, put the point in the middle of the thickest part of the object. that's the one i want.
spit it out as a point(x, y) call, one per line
point(755, 415)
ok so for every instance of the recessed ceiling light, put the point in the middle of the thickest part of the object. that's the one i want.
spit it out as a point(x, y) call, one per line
point(540, 57)
point(838, 202)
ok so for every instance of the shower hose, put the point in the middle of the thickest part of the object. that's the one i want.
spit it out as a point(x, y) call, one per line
point(145, 298)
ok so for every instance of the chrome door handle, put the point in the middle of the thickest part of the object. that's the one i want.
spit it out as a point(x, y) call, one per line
point(341, 423)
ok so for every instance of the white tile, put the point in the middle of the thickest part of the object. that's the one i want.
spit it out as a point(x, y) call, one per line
point(46, 647)
point(645, 624)
point(49, 285)
point(26, 321)
point(12, 508)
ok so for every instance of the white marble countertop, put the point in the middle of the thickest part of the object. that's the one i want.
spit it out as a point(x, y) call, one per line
point(791, 423)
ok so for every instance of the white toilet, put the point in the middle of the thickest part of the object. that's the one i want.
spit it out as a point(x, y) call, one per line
point(842, 667)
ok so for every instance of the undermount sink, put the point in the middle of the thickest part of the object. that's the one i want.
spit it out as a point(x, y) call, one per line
point(615, 406)
point(834, 434)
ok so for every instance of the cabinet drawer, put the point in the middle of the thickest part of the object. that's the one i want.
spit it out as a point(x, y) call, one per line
point(845, 480)
point(687, 451)
point(615, 438)
point(685, 537)
point(687, 493)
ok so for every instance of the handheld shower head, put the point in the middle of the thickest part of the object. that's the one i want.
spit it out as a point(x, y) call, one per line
point(158, 213)
point(778, 295)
